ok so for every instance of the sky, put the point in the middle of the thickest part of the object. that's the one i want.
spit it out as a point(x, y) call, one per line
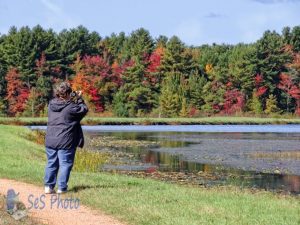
point(195, 22)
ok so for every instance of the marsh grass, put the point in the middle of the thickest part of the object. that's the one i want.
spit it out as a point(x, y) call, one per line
point(37, 136)
point(89, 161)
point(85, 161)
point(111, 142)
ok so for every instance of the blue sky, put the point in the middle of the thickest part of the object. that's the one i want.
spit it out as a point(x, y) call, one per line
point(196, 22)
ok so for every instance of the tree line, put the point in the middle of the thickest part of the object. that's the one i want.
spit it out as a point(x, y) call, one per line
point(137, 75)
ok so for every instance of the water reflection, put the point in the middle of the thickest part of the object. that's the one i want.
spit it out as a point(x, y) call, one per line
point(166, 162)
point(170, 163)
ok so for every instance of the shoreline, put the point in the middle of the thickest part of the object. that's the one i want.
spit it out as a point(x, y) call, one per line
point(158, 121)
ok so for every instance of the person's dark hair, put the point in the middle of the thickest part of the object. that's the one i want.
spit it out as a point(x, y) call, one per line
point(62, 90)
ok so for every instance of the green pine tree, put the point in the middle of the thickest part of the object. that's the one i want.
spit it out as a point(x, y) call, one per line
point(256, 105)
point(184, 109)
point(119, 104)
point(271, 105)
point(196, 94)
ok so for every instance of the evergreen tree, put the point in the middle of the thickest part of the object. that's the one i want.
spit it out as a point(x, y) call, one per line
point(137, 46)
point(174, 59)
point(271, 105)
point(213, 95)
point(184, 108)
point(111, 47)
point(119, 104)
point(169, 103)
point(255, 104)
point(271, 60)
point(295, 38)
point(242, 63)
point(196, 94)
point(31, 107)
point(161, 41)
point(139, 95)
point(76, 41)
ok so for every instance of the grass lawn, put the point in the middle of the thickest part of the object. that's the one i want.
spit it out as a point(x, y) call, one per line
point(153, 121)
point(145, 201)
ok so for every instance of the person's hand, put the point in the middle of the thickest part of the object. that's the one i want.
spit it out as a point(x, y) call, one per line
point(79, 93)
point(79, 97)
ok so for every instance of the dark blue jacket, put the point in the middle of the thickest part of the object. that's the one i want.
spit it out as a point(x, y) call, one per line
point(63, 129)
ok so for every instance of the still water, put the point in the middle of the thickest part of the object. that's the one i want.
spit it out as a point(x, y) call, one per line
point(212, 154)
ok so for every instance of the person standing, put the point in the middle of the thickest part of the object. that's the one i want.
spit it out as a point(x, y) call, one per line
point(64, 134)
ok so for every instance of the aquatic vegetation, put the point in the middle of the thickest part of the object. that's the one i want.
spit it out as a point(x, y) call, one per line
point(89, 161)
point(277, 155)
point(115, 143)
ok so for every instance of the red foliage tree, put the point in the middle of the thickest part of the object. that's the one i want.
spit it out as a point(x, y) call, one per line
point(260, 89)
point(234, 101)
point(96, 79)
point(17, 92)
point(96, 99)
point(258, 80)
point(118, 71)
point(152, 75)
point(295, 93)
point(285, 83)
point(292, 90)
point(290, 83)
point(95, 66)
point(41, 65)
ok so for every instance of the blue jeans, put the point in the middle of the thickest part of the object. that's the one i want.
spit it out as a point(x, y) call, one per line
point(61, 160)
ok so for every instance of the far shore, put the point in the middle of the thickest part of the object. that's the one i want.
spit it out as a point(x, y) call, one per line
point(215, 120)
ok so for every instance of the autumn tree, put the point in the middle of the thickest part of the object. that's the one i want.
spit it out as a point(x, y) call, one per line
point(234, 101)
point(291, 90)
point(17, 92)
point(286, 84)
point(136, 75)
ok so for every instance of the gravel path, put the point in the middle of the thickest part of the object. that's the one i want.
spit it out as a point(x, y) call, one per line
point(54, 215)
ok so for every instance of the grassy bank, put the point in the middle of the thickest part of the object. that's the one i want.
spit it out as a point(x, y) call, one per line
point(145, 201)
point(156, 121)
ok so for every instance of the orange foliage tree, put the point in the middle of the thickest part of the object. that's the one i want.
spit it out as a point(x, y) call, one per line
point(17, 92)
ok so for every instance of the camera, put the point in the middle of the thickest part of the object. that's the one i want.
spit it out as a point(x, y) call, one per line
point(75, 96)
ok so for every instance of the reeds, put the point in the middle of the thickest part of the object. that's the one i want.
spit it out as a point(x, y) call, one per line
point(89, 161)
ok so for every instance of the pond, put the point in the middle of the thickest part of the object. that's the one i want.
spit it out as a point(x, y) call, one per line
point(255, 156)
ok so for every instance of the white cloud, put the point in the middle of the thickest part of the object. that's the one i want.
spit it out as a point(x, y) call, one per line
point(57, 17)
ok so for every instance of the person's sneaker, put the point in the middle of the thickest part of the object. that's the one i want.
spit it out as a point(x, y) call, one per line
point(61, 191)
point(49, 190)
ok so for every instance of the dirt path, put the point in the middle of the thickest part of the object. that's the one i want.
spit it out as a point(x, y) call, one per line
point(61, 216)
